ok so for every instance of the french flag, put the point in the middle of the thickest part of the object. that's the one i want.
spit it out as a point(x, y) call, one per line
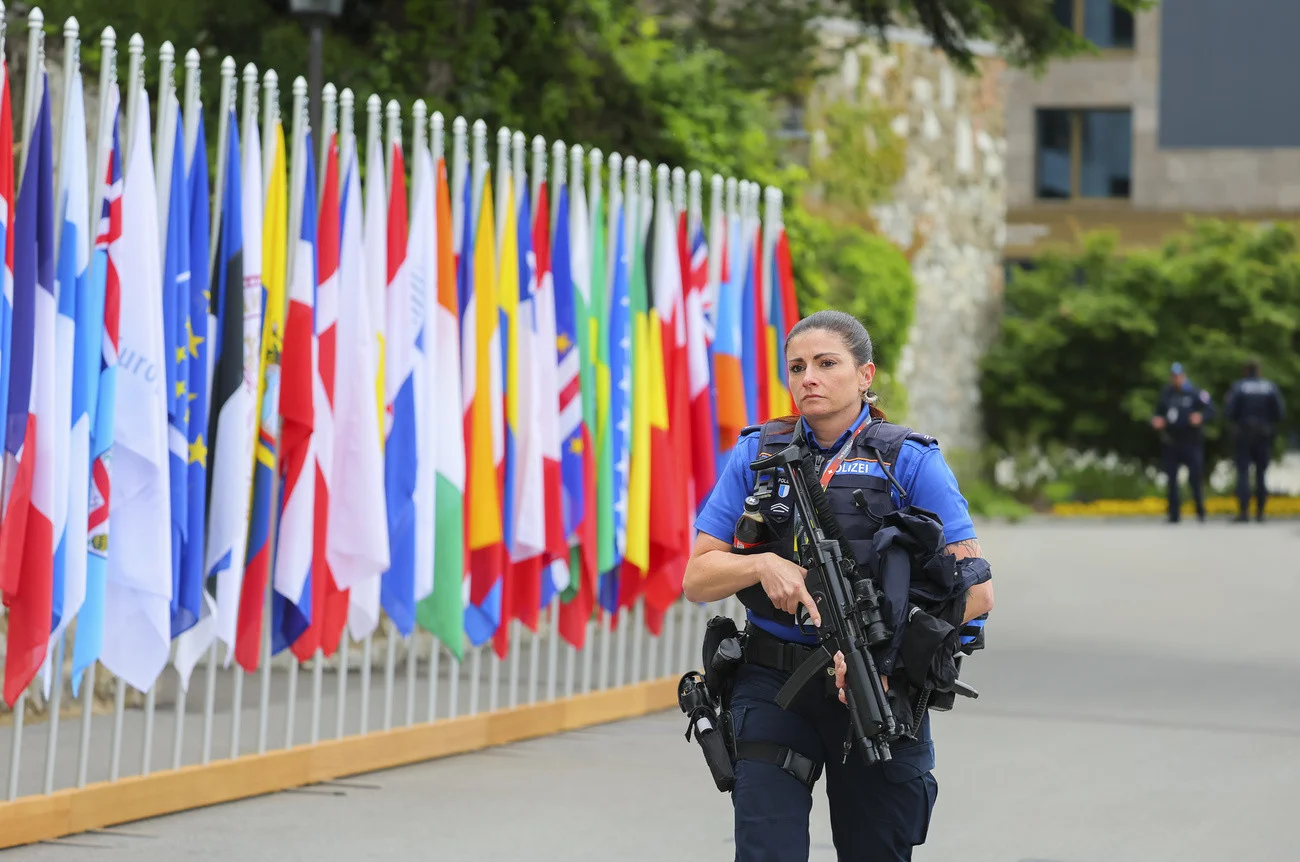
point(27, 533)
point(7, 243)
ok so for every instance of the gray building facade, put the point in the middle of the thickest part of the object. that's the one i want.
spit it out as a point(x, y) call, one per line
point(1190, 107)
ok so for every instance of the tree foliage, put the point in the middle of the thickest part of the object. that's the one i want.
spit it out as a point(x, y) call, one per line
point(694, 83)
point(1087, 339)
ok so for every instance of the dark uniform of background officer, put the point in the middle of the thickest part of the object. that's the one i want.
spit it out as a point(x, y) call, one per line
point(878, 812)
point(1181, 414)
point(1253, 409)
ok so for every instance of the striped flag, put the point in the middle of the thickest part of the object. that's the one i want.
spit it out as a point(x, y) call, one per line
point(670, 457)
point(784, 315)
point(398, 587)
point(357, 547)
point(291, 602)
point(137, 624)
point(227, 435)
point(74, 375)
point(509, 344)
point(7, 240)
point(270, 297)
point(644, 368)
point(551, 266)
point(442, 613)
point(27, 533)
point(481, 374)
point(102, 315)
point(525, 494)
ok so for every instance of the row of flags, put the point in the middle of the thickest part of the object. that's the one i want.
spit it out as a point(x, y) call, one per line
point(267, 405)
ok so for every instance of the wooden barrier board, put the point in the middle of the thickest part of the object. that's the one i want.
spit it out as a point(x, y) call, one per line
point(68, 812)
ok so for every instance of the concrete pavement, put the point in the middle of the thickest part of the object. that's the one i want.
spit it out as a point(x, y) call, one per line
point(1140, 703)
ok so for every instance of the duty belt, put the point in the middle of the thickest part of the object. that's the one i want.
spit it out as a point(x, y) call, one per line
point(767, 650)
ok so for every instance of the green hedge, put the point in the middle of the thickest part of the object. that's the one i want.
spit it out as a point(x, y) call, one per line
point(842, 266)
point(1087, 339)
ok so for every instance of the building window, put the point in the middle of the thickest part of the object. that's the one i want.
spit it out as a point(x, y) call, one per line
point(1084, 153)
point(1101, 22)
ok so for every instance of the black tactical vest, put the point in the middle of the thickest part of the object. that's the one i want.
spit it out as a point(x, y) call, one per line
point(879, 441)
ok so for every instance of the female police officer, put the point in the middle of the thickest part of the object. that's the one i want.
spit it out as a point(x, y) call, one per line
point(877, 812)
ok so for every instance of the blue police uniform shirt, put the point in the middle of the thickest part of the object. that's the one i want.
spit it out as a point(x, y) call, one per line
point(919, 468)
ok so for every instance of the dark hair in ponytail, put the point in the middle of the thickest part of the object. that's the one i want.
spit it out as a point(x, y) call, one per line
point(852, 333)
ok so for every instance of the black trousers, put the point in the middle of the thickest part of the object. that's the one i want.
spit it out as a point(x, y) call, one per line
point(1252, 450)
point(1193, 456)
point(878, 813)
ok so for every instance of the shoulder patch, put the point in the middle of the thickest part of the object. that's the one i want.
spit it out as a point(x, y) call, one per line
point(923, 439)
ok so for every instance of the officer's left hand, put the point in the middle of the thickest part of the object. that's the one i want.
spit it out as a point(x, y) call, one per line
point(841, 669)
point(1195, 419)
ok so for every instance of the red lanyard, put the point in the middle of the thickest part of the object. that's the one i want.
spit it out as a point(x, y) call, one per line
point(833, 467)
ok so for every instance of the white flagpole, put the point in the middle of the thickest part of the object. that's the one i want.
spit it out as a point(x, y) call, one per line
point(769, 245)
point(519, 174)
point(270, 113)
point(539, 174)
point(164, 141)
point(71, 68)
point(329, 117)
point(479, 166)
point(459, 176)
point(717, 233)
point(35, 68)
point(135, 70)
point(223, 141)
point(104, 126)
point(297, 180)
point(502, 185)
point(347, 131)
point(192, 106)
point(392, 133)
point(611, 230)
point(679, 197)
point(693, 204)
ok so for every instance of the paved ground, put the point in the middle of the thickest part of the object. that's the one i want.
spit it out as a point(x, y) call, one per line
point(1141, 703)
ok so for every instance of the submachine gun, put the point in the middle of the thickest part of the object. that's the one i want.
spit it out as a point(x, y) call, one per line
point(849, 604)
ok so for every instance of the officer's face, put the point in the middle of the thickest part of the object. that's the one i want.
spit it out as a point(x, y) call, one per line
point(1177, 380)
point(823, 379)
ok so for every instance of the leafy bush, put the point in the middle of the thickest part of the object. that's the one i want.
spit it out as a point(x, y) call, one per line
point(1087, 339)
point(986, 500)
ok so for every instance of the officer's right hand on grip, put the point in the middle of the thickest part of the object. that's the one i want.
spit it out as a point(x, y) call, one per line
point(783, 581)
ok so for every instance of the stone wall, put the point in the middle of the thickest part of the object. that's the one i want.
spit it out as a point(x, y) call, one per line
point(944, 206)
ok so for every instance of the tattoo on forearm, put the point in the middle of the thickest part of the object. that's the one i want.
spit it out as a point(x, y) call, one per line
point(966, 548)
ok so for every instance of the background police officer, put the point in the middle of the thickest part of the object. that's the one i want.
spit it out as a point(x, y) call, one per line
point(1253, 408)
point(1180, 416)
point(878, 812)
